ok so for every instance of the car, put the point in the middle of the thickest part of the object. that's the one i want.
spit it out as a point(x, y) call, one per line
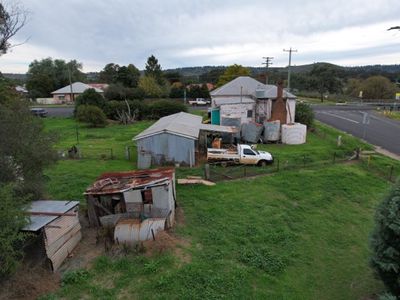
point(198, 101)
point(38, 112)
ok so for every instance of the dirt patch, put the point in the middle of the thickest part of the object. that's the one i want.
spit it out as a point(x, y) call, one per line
point(30, 283)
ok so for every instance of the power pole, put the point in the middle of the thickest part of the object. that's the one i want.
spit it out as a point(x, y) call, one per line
point(267, 63)
point(290, 64)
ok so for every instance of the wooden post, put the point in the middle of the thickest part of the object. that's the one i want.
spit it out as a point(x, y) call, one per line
point(391, 172)
point(207, 171)
point(334, 157)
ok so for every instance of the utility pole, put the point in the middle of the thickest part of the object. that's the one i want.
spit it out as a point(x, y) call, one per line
point(290, 64)
point(267, 63)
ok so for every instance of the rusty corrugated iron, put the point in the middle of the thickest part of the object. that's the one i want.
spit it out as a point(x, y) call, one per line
point(118, 182)
point(134, 230)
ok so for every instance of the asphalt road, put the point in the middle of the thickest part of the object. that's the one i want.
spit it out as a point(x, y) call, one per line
point(59, 111)
point(380, 131)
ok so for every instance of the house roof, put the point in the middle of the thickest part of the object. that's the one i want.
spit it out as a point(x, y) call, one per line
point(38, 209)
point(77, 88)
point(181, 123)
point(247, 86)
point(119, 182)
point(243, 85)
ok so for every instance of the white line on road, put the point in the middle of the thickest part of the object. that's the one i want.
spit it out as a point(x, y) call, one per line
point(340, 117)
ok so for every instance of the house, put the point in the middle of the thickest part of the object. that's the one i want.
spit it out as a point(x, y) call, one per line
point(55, 224)
point(101, 86)
point(21, 90)
point(177, 138)
point(137, 204)
point(248, 100)
point(64, 94)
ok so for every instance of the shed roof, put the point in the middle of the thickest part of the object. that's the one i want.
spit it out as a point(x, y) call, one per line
point(77, 88)
point(272, 93)
point(38, 221)
point(181, 123)
point(232, 100)
point(118, 182)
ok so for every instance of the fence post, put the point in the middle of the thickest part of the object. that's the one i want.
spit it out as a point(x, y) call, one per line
point(304, 160)
point(244, 171)
point(334, 157)
point(207, 171)
point(112, 154)
point(277, 165)
point(369, 160)
point(391, 172)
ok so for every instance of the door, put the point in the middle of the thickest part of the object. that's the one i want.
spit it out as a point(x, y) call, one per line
point(249, 157)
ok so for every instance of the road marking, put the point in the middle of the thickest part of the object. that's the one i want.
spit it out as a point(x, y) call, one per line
point(340, 117)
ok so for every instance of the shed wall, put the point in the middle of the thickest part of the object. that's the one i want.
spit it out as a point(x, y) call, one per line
point(166, 147)
point(237, 111)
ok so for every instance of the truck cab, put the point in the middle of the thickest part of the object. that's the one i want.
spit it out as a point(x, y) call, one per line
point(251, 156)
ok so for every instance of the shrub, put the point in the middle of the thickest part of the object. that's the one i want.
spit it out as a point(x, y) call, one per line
point(92, 115)
point(304, 114)
point(164, 108)
point(385, 241)
point(141, 109)
point(90, 97)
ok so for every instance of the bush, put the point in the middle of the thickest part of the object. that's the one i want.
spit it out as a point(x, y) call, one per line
point(92, 115)
point(90, 97)
point(385, 241)
point(113, 107)
point(304, 114)
point(12, 219)
point(164, 108)
point(119, 92)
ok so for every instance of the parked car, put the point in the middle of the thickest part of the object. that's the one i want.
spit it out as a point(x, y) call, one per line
point(38, 112)
point(198, 101)
point(244, 154)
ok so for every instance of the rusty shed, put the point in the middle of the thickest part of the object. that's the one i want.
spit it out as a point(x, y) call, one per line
point(137, 203)
point(57, 225)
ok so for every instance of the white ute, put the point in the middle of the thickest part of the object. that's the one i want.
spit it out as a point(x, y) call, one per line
point(198, 101)
point(244, 154)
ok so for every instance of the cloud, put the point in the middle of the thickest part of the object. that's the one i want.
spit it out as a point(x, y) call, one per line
point(204, 32)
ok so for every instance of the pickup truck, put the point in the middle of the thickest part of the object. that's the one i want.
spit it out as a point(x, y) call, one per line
point(244, 154)
point(198, 101)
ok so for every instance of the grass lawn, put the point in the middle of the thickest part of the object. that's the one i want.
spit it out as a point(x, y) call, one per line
point(295, 235)
point(395, 115)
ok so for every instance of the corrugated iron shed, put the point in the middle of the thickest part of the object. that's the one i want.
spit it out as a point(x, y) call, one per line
point(118, 182)
point(53, 208)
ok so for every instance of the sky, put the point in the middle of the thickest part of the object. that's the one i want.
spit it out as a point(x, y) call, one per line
point(185, 33)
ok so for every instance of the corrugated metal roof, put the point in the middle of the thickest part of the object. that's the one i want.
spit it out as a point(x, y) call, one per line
point(218, 128)
point(272, 93)
point(46, 206)
point(181, 123)
point(77, 88)
point(118, 182)
point(243, 85)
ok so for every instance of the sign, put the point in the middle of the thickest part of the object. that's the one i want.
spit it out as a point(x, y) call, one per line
point(397, 96)
point(366, 118)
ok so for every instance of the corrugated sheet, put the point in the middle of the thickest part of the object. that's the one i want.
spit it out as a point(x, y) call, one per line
point(168, 148)
point(62, 253)
point(182, 124)
point(46, 206)
point(243, 85)
point(251, 132)
point(133, 230)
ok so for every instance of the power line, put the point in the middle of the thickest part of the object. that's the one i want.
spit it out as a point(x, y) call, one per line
point(290, 65)
point(267, 63)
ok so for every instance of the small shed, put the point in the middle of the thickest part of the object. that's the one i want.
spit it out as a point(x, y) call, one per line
point(174, 139)
point(137, 203)
point(56, 223)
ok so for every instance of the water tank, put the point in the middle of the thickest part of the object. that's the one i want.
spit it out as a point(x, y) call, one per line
point(294, 134)
point(272, 131)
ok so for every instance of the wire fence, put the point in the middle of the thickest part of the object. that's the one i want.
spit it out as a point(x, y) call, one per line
point(104, 153)
point(218, 172)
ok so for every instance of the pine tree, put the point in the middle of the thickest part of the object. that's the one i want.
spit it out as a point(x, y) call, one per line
point(153, 69)
point(385, 241)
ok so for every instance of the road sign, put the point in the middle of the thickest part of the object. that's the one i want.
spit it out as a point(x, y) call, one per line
point(366, 118)
point(397, 96)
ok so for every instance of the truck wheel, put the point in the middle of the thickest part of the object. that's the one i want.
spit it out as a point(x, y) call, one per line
point(262, 163)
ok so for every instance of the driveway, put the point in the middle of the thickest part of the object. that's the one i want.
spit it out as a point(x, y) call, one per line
point(379, 130)
point(62, 111)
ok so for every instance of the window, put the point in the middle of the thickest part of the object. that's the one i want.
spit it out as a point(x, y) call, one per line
point(61, 97)
point(250, 113)
point(248, 152)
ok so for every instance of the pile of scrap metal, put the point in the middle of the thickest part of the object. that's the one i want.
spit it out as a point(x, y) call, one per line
point(137, 204)
point(56, 224)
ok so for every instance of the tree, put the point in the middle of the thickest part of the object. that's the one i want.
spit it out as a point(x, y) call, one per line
point(153, 69)
point(324, 79)
point(109, 73)
point(177, 90)
point(173, 77)
point(48, 75)
point(12, 19)
point(231, 73)
point(378, 87)
point(304, 114)
point(385, 241)
point(90, 97)
point(151, 88)
point(128, 76)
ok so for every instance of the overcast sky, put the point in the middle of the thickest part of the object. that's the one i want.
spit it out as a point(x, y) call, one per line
point(182, 33)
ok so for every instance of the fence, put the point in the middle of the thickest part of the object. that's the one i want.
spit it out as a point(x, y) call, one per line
point(79, 152)
point(217, 172)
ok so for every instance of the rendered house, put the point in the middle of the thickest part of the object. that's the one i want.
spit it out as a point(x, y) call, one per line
point(69, 93)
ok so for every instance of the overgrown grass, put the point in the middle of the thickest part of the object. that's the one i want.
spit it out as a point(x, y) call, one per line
point(299, 234)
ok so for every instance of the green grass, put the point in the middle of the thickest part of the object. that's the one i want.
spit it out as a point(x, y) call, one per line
point(300, 234)
point(395, 115)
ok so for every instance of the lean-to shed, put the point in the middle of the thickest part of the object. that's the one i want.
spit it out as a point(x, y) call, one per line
point(56, 223)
